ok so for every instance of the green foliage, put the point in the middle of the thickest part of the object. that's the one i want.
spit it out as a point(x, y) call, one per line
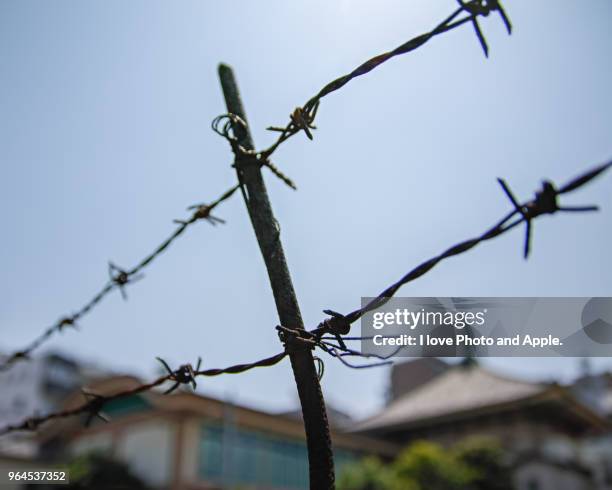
point(487, 461)
point(369, 474)
point(474, 464)
point(431, 468)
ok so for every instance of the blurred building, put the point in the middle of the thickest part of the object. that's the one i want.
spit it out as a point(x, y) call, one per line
point(34, 387)
point(407, 376)
point(189, 441)
point(555, 439)
point(596, 391)
point(337, 419)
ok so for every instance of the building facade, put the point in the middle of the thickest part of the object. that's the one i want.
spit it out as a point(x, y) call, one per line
point(549, 434)
point(189, 441)
point(37, 386)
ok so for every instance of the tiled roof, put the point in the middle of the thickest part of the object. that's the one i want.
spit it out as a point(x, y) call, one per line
point(459, 389)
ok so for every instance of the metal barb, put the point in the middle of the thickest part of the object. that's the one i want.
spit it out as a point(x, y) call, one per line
point(94, 407)
point(68, 321)
point(229, 125)
point(478, 8)
point(122, 278)
point(545, 202)
point(201, 211)
point(185, 374)
point(337, 326)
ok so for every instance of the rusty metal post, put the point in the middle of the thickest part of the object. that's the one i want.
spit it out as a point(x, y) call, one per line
point(267, 231)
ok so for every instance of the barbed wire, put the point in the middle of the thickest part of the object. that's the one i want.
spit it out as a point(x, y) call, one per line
point(302, 118)
point(94, 404)
point(119, 278)
point(331, 334)
point(186, 374)
point(545, 202)
point(226, 126)
point(339, 325)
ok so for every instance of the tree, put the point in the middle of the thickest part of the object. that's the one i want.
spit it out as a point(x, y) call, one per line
point(370, 474)
point(474, 464)
point(431, 467)
point(487, 461)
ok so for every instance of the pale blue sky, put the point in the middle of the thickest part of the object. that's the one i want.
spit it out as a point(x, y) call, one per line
point(105, 111)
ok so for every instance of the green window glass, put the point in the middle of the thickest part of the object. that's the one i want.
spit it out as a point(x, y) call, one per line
point(232, 456)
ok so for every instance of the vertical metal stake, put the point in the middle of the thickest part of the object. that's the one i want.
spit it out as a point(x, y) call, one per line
point(267, 231)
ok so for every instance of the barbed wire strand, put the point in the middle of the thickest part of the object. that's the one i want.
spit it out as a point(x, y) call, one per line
point(95, 402)
point(338, 326)
point(302, 118)
point(120, 278)
point(545, 202)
